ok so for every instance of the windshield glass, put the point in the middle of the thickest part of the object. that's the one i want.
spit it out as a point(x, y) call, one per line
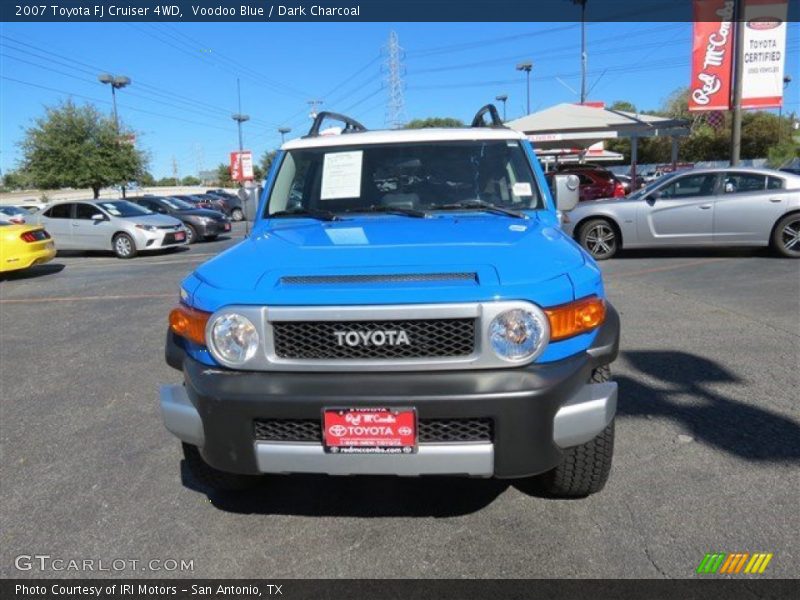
point(13, 210)
point(176, 203)
point(123, 208)
point(417, 176)
point(652, 185)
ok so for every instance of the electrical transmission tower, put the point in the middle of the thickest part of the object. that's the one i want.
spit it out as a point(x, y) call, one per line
point(393, 67)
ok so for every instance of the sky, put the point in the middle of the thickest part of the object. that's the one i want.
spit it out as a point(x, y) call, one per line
point(184, 75)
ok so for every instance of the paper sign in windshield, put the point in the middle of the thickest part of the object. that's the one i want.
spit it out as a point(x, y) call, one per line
point(341, 175)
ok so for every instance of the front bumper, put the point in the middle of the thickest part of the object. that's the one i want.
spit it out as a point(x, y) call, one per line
point(158, 239)
point(536, 411)
point(213, 228)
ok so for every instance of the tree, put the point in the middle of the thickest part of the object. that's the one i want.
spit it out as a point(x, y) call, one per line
point(433, 122)
point(75, 146)
point(15, 180)
point(266, 163)
point(623, 105)
point(166, 181)
point(224, 175)
point(146, 179)
point(190, 180)
point(782, 154)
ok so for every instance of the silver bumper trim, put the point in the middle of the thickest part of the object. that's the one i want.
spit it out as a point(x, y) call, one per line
point(586, 414)
point(180, 416)
point(476, 460)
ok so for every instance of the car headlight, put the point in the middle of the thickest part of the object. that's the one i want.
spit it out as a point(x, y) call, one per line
point(145, 227)
point(519, 335)
point(232, 338)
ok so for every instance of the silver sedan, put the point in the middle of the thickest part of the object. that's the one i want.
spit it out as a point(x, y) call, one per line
point(117, 225)
point(701, 207)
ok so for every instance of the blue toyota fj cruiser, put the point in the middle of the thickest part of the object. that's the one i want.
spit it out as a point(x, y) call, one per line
point(405, 304)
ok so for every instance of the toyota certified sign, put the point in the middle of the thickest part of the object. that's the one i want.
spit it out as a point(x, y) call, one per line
point(763, 53)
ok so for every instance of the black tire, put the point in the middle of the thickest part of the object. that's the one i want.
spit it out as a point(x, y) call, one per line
point(599, 238)
point(584, 469)
point(191, 234)
point(237, 214)
point(213, 479)
point(124, 246)
point(786, 236)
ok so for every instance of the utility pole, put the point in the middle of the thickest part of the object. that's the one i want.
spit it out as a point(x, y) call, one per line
point(787, 79)
point(396, 107)
point(314, 104)
point(738, 71)
point(584, 56)
point(503, 98)
point(175, 170)
point(527, 66)
point(240, 118)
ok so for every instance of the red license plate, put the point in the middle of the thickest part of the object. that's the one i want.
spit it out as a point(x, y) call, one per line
point(369, 430)
point(180, 236)
point(227, 227)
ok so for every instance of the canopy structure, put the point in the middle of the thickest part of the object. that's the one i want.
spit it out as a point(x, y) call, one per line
point(576, 127)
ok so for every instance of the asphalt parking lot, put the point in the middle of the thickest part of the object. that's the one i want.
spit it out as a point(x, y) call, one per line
point(707, 456)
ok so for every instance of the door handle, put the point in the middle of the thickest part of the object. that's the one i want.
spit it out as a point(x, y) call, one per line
point(705, 206)
point(774, 199)
point(75, 225)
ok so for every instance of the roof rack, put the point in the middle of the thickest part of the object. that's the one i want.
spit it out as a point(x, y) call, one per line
point(478, 119)
point(350, 125)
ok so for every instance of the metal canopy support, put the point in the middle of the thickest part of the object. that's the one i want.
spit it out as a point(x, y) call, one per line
point(674, 156)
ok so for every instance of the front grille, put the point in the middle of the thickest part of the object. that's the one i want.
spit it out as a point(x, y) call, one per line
point(393, 278)
point(170, 238)
point(328, 340)
point(429, 430)
point(170, 227)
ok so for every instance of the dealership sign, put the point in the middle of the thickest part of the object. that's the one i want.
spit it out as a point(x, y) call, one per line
point(246, 164)
point(763, 53)
point(712, 55)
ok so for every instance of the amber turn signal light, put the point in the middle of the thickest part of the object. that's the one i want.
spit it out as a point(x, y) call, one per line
point(576, 317)
point(189, 323)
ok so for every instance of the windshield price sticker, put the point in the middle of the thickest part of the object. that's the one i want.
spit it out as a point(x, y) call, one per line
point(341, 175)
point(522, 188)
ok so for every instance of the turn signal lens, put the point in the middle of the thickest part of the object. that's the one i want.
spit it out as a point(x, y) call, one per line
point(576, 317)
point(189, 323)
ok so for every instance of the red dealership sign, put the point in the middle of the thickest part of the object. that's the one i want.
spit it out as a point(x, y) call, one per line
point(246, 163)
point(712, 55)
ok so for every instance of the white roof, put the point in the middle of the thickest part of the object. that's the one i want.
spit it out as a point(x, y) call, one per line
point(570, 117)
point(399, 136)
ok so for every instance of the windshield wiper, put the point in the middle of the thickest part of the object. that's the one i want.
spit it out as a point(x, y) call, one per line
point(392, 210)
point(485, 206)
point(320, 215)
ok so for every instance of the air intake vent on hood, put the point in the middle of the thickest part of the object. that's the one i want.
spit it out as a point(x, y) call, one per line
point(391, 278)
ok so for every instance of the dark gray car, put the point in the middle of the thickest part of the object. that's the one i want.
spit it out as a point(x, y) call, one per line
point(200, 223)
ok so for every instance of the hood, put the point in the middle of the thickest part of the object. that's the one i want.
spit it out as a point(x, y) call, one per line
point(157, 220)
point(494, 256)
point(200, 212)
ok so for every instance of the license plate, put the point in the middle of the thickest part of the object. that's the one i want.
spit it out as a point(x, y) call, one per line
point(369, 430)
point(180, 236)
point(227, 227)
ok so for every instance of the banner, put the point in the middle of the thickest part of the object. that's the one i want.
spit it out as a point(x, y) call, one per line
point(764, 53)
point(246, 164)
point(712, 55)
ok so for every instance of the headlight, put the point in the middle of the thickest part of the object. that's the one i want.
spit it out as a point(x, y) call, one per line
point(232, 338)
point(145, 227)
point(519, 335)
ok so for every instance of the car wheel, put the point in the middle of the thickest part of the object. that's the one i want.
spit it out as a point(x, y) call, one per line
point(584, 469)
point(599, 238)
point(237, 214)
point(124, 246)
point(786, 237)
point(212, 478)
point(191, 234)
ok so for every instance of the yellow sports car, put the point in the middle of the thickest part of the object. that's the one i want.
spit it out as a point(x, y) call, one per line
point(22, 246)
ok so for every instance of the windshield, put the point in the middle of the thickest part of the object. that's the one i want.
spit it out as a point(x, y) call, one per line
point(651, 186)
point(123, 208)
point(176, 203)
point(13, 210)
point(418, 176)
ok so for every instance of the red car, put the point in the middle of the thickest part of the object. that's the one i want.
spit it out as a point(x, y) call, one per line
point(594, 183)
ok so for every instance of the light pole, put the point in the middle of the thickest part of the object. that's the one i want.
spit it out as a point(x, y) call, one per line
point(787, 79)
point(503, 98)
point(527, 66)
point(283, 131)
point(583, 48)
point(240, 118)
point(117, 82)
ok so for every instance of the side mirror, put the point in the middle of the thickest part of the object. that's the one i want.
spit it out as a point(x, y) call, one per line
point(565, 190)
point(653, 196)
point(98, 217)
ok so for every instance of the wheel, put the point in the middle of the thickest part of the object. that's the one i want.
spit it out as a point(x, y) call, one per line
point(124, 246)
point(191, 234)
point(237, 214)
point(212, 478)
point(786, 237)
point(599, 238)
point(584, 469)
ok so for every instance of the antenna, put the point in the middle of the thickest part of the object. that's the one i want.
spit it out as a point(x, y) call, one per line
point(395, 108)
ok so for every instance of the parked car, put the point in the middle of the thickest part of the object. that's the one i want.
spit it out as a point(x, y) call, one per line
point(23, 246)
point(792, 170)
point(117, 225)
point(594, 182)
point(628, 184)
point(415, 309)
point(702, 207)
point(13, 214)
point(195, 201)
point(200, 223)
point(228, 203)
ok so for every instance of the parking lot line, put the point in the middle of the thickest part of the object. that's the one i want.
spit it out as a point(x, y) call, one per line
point(84, 298)
point(695, 263)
